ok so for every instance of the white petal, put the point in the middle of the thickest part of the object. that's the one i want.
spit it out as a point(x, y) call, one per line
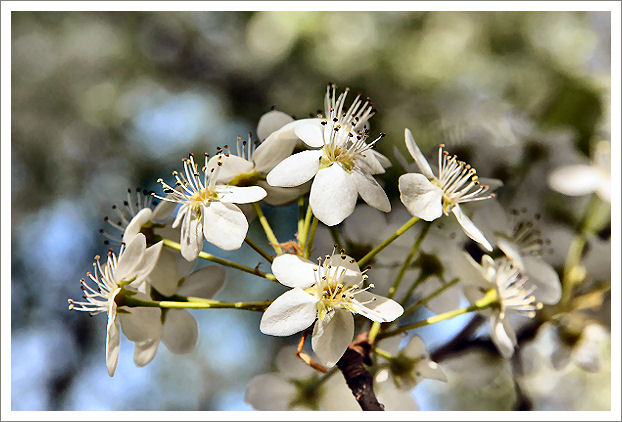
point(294, 271)
point(333, 195)
point(575, 180)
point(130, 258)
point(277, 195)
point(240, 195)
point(415, 348)
point(163, 211)
point(295, 170)
point(382, 159)
point(431, 370)
point(148, 263)
point(491, 218)
point(349, 263)
point(369, 164)
point(133, 228)
point(290, 313)
point(204, 282)
point(180, 331)
point(113, 335)
point(231, 166)
point(545, 278)
point(271, 122)
point(604, 189)
point(224, 225)
point(371, 191)
point(311, 134)
point(391, 344)
point(171, 267)
point(416, 154)
point(145, 351)
point(365, 225)
point(277, 146)
point(141, 323)
point(420, 197)
point(269, 392)
point(492, 183)
point(512, 251)
point(332, 335)
point(191, 237)
point(379, 309)
point(500, 337)
point(470, 229)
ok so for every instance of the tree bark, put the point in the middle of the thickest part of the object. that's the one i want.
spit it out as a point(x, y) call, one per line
point(357, 377)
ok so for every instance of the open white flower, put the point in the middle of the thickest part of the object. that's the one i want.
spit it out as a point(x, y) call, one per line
point(176, 328)
point(134, 263)
point(330, 293)
point(243, 167)
point(342, 164)
point(522, 243)
point(207, 208)
point(428, 197)
point(511, 293)
point(582, 179)
point(409, 365)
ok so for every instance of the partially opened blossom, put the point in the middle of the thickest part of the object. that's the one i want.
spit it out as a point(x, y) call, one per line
point(101, 287)
point(521, 242)
point(342, 163)
point(408, 365)
point(428, 196)
point(328, 293)
point(511, 293)
point(176, 328)
point(582, 179)
point(208, 209)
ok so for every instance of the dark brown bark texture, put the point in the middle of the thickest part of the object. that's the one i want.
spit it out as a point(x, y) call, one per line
point(360, 381)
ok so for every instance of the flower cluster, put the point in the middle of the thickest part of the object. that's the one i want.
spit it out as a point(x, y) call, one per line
point(324, 163)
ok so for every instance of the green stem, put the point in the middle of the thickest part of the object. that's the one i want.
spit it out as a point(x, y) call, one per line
point(487, 301)
point(311, 237)
point(420, 279)
point(431, 296)
point(407, 262)
point(191, 303)
point(388, 241)
point(260, 251)
point(302, 235)
point(208, 257)
point(383, 353)
point(301, 213)
point(266, 227)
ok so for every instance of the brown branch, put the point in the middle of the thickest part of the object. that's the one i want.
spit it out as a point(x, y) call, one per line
point(360, 381)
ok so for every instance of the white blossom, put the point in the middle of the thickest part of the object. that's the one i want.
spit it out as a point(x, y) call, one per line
point(342, 163)
point(329, 292)
point(101, 287)
point(208, 209)
point(409, 365)
point(176, 328)
point(582, 179)
point(243, 167)
point(428, 196)
point(522, 242)
point(512, 294)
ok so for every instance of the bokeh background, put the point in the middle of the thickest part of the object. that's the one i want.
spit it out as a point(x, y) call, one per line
point(104, 101)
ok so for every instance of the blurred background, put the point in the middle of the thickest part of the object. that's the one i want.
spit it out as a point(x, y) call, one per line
point(102, 102)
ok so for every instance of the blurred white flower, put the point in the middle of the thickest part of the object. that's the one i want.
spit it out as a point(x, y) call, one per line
point(428, 197)
point(409, 365)
point(128, 271)
point(208, 209)
point(582, 179)
point(521, 242)
point(342, 163)
point(511, 293)
point(295, 386)
point(176, 328)
point(330, 292)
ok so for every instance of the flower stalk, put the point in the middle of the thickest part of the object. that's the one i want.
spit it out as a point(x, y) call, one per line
point(182, 302)
point(266, 227)
point(388, 241)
